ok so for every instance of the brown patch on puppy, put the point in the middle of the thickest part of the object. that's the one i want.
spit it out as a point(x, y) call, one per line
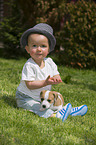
point(42, 94)
point(58, 99)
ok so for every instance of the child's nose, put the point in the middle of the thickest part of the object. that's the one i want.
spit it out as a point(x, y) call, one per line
point(39, 48)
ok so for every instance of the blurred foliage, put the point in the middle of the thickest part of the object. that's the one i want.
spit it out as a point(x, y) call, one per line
point(78, 34)
point(41, 11)
point(11, 31)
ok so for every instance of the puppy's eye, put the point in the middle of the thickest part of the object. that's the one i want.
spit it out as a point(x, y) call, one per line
point(42, 99)
point(49, 101)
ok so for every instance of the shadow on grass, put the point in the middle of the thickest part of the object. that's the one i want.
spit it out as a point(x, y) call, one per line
point(90, 86)
point(10, 100)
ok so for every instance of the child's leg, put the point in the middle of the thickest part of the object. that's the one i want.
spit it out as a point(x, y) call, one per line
point(24, 101)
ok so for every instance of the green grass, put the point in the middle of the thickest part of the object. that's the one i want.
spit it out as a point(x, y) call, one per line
point(20, 127)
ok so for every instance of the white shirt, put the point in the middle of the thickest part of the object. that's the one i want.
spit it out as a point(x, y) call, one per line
point(31, 72)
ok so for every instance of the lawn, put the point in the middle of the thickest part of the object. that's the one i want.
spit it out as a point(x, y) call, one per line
point(20, 127)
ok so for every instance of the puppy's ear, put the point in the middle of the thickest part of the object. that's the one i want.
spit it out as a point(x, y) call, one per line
point(42, 92)
point(55, 95)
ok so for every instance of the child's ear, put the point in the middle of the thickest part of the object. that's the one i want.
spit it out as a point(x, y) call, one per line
point(27, 48)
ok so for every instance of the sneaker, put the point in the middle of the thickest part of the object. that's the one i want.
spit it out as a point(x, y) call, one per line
point(64, 112)
point(82, 110)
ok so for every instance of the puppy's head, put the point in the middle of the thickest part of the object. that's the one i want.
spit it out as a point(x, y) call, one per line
point(47, 98)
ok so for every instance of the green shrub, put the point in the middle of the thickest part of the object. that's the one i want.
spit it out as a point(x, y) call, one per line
point(78, 34)
point(11, 30)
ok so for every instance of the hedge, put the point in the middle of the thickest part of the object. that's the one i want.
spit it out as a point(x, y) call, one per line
point(11, 31)
point(78, 34)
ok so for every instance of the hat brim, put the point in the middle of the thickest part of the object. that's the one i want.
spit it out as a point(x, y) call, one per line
point(51, 38)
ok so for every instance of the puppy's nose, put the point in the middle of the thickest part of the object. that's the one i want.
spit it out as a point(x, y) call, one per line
point(44, 106)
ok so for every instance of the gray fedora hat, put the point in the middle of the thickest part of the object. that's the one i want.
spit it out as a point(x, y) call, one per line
point(40, 28)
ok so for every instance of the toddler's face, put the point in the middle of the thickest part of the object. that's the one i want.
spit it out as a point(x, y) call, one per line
point(38, 46)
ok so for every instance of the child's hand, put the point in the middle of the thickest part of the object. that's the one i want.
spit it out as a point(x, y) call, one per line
point(57, 78)
point(53, 80)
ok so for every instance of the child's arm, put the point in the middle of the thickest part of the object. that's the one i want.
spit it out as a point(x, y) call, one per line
point(42, 83)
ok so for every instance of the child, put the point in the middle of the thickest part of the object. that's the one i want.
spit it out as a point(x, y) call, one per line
point(39, 73)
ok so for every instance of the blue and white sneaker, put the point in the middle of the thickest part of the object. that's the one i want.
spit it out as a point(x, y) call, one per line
point(64, 112)
point(81, 110)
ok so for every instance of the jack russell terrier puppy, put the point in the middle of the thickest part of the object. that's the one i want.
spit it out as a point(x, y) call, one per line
point(51, 99)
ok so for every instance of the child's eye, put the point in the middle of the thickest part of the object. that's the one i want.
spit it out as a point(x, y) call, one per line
point(43, 46)
point(34, 46)
point(42, 99)
point(49, 101)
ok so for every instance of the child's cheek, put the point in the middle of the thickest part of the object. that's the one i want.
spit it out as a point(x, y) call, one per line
point(46, 52)
point(32, 51)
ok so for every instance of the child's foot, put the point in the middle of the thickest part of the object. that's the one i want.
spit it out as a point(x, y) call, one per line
point(81, 110)
point(64, 112)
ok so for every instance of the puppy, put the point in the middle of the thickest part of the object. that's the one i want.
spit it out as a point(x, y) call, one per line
point(51, 99)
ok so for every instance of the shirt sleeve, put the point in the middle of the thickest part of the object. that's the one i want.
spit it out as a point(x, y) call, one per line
point(28, 73)
point(54, 67)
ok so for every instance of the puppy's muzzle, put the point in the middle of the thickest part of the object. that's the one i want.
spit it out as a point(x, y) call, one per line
point(43, 106)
